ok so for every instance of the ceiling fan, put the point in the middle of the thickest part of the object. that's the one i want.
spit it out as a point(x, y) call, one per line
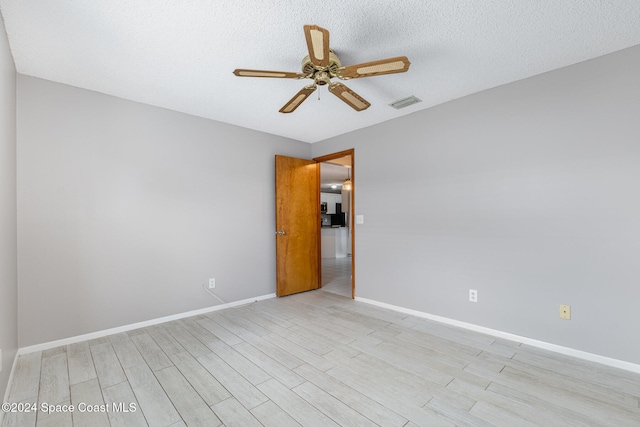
point(322, 64)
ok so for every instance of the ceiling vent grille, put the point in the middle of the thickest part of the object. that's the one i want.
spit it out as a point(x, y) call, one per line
point(405, 102)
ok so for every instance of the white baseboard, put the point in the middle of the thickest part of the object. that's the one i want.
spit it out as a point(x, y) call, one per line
point(125, 328)
point(621, 364)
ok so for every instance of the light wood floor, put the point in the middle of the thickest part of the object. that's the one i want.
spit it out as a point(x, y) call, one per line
point(318, 359)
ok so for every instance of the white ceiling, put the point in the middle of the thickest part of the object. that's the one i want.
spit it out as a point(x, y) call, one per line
point(180, 54)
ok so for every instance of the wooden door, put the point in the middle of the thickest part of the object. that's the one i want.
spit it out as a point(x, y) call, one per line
point(297, 225)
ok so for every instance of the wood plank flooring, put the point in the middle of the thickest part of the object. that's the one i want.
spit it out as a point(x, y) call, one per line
point(336, 275)
point(316, 359)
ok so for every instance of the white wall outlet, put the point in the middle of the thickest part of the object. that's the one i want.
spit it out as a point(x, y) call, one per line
point(473, 295)
point(565, 312)
point(359, 219)
point(212, 283)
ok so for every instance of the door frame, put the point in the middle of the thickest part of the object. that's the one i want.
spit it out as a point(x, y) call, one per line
point(327, 158)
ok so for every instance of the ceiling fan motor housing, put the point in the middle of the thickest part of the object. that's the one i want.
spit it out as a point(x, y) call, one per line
point(321, 75)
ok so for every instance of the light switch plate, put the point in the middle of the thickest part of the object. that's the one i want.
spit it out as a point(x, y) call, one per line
point(359, 219)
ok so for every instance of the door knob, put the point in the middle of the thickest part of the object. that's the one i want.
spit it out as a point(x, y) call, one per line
point(281, 232)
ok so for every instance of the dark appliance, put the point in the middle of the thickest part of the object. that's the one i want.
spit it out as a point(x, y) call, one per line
point(339, 218)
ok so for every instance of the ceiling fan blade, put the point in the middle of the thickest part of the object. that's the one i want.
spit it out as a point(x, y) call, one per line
point(264, 73)
point(354, 100)
point(299, 97)
point(399, 64)
point(318, 45)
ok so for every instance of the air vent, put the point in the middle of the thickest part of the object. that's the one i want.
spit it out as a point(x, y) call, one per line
point(405, 102)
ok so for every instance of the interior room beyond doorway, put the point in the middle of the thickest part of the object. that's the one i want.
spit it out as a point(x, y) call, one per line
point(336, 188)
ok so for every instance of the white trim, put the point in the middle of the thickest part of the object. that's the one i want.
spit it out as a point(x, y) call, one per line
point(125, 328)
point(621, 364)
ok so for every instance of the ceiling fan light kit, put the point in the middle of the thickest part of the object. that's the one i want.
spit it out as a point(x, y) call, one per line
point(322, 64)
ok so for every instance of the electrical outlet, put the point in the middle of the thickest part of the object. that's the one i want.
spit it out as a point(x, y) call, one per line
point(212, 283)
point(473, 295)
point(565, 312)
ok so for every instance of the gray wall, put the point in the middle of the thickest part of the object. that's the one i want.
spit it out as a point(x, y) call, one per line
point(125, 210)
point(529, 193)
point(8, 275)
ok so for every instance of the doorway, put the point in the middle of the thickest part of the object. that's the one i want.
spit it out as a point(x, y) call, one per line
point(337, 223)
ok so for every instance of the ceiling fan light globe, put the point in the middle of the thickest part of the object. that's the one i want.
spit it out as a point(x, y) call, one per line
point(322, 78)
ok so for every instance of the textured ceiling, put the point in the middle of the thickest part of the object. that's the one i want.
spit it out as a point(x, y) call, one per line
point(180, 54)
